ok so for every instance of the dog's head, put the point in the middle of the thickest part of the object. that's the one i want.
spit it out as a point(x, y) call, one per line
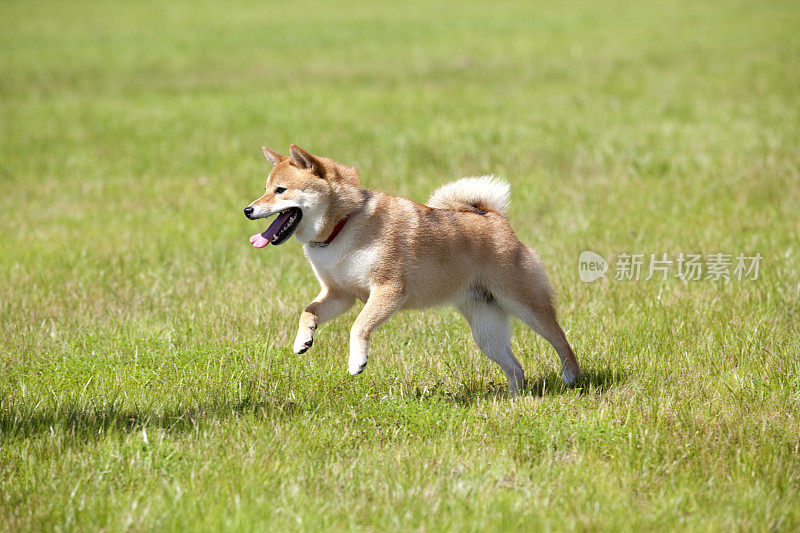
point(302, 190)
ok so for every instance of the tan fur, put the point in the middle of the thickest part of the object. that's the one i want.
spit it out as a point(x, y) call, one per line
point(476, 195)
point(394, 253)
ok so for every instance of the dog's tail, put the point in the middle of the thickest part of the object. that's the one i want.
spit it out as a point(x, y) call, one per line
point(486, 193)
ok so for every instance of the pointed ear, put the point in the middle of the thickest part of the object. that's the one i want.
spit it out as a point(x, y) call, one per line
point(273, 156)
point(304, 160)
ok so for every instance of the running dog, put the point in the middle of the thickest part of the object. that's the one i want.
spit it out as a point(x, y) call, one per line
point(393, 253)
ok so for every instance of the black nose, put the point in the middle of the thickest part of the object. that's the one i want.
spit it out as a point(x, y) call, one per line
point(248, 211)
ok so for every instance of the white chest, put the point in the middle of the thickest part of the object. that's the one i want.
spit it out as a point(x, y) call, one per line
point(343, 267)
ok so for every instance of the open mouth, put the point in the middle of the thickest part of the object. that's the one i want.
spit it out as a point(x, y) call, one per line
point(280, 230)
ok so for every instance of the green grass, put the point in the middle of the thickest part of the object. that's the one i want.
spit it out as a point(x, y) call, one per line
point(146, 376)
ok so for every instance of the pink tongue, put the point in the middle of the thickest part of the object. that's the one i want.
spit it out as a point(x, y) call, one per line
point(260, 240)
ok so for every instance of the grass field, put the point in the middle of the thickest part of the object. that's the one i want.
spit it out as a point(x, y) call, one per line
point(146, 374)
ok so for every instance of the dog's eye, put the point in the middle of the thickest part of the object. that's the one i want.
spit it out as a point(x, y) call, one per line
point(279, 190)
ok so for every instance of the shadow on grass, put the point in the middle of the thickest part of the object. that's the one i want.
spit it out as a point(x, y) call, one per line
point(74, 419)
point(591, 381)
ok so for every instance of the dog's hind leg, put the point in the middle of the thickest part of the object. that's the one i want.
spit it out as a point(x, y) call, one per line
point(490, 329)
point(527, 294)
point(326, 306)
point(383, 301)
point(542, 319)
point(540, 316)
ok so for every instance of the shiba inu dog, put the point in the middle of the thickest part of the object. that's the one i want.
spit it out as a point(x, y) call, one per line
point(393, 253)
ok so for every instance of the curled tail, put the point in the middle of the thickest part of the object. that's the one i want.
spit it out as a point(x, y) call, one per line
point(477, 195)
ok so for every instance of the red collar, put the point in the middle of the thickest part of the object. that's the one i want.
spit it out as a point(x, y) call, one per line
point(335, 232)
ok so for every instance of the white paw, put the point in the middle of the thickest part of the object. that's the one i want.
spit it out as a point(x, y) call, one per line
point(303, 342)
point(356, 365)
point(570, 375)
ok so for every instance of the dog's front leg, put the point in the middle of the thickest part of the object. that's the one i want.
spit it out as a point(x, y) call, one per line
point(326, 306)
point(383, 301)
